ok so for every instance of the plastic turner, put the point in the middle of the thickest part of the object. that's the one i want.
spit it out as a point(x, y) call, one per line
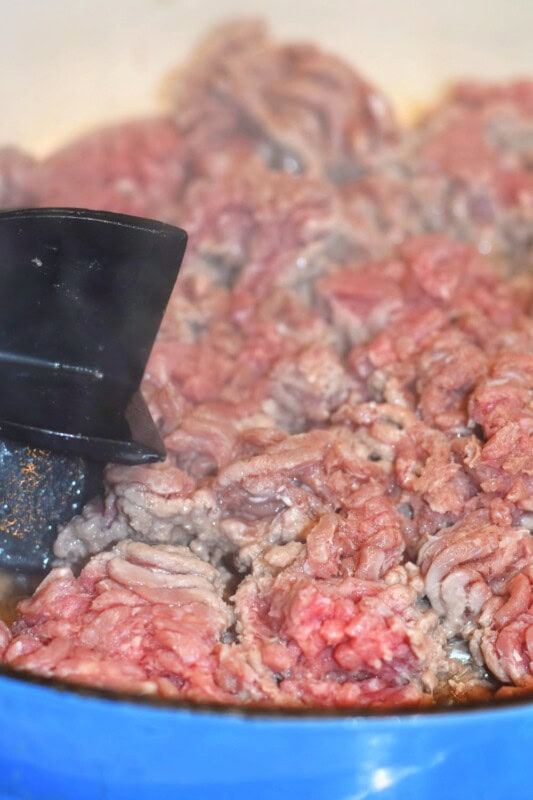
point(82, 295)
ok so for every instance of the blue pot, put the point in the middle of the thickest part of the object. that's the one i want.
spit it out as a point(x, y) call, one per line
point(61, 744)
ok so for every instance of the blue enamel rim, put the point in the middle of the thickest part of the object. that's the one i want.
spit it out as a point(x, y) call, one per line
point(257, 711)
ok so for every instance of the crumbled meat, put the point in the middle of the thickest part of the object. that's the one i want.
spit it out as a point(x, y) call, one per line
point(504, 640)
point(134, 168)
point(300, 109)
point(468, 169)
point(95, 528)
point(139, 618)
point(343, 380)
point(263, 229)
point(337, 641)
point(308, 387)
point(463, 564)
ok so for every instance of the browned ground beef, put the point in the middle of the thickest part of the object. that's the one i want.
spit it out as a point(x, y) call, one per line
point(343, 380)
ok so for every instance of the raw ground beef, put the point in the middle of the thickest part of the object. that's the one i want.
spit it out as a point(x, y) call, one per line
point(135, 168)
point(466, 169)
point(298, 108)
point(343, 380)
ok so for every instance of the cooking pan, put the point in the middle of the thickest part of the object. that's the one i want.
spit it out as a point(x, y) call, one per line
point(67, 67)
point(59, 744)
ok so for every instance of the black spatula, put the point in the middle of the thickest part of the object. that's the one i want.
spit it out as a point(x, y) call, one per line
point(82, 295)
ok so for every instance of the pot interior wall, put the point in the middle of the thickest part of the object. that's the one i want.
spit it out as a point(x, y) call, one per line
point(67, 67)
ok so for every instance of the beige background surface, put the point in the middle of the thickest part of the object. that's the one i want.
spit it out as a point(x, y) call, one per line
point(66, 65)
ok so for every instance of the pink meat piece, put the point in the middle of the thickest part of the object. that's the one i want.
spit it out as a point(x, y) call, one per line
point(366, 540)
point(418, 466)
point(265, 229)
point(505, 639)
point(466, 564)
point(206, 440)
point(519, 93)
point(277, 488)
point(430, 274)
point(464, 170)
point(427, 467)
point(457, 146)
point(320, 466)
point(232, 360)
point(138, 618)
point(503, 396)
point(501, 405)
point(362, 302)
point(302, 109)
point(472, 164)
point(133, 168)
point(193, 366)
point(339, 641)
point(229, 364)
point(308, 387)
point(428, 350)
point(448, 370)
point(384, 197)
point(234, 356)
point(196, 304)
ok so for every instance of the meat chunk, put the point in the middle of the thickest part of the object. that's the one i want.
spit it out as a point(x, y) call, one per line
point(308, 387)
point(464, 170)
point(261, 228)
point(337, 642)
point(472, 162)
point(138, 618)
point(464, 563)
point(134, 168)
point(299, 108)
point(504, 640)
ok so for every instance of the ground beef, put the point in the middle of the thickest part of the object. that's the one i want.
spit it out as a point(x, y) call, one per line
point(466, 169)
point(262, 230)
point(134, 168)
point(138, 618)
point(298, 108)
point(336, 641)
point(343, 382)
